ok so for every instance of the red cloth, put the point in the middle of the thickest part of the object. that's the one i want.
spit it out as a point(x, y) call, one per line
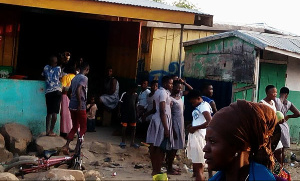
point(79, 119)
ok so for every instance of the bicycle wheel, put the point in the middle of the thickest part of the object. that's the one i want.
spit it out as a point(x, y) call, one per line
point(16, 167)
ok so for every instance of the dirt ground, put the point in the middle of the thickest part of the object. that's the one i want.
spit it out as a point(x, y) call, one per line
point(102, 153)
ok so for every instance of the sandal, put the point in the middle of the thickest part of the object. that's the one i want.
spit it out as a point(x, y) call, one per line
point(122, 145)
point(135, 145)
point(174, 173)
point(177, 169)
point(51, 134)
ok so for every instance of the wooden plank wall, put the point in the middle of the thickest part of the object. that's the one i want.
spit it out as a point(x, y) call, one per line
point(9, 31)
point(164, 47)
point(122, 50)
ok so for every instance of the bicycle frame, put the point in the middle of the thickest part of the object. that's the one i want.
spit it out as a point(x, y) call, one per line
point(45, 164)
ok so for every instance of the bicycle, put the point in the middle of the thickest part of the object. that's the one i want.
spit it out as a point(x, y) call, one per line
point(29, 164)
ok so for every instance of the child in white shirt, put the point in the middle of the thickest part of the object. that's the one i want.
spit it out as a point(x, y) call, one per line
point(196, 138)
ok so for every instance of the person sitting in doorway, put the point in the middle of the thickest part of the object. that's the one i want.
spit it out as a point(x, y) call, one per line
point(110, 96)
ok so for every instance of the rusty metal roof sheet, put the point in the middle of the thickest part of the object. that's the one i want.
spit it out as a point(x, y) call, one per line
point(152, 4)
point(272, 42)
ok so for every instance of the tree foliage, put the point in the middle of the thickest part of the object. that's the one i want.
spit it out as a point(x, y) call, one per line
point(184, 4)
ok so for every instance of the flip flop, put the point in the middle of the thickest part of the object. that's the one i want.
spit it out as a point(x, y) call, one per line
point(51, 134)
point(122, 145)
point(135, 145)
point(177, 169)
point(173, 173)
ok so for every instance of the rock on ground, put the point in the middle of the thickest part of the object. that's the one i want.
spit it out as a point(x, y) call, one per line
point(64, 174)
point(88, 156)
point(17, 137)
point(2, 141)
point(49, 143)
point(7, 176)
point(98, 148)
point(92, 175)
point(5, 155)
point(1, 169)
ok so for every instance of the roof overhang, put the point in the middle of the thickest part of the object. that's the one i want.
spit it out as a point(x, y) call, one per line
point(215, 27)
point(118, 10)
point(246, 37)
point(283, 52)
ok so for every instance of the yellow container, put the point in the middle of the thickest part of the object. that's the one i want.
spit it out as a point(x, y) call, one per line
point(160, 177)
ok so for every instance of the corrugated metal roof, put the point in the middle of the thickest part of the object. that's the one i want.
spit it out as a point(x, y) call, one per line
point(258, 39)
point(152, 4)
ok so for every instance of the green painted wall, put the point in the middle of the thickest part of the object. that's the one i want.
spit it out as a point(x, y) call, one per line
point(274, 74)
point(23, 102)
point(294, 124)
point(245, 95)
point(229, 59)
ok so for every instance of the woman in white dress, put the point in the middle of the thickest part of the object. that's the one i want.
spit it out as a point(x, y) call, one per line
point(160, 132)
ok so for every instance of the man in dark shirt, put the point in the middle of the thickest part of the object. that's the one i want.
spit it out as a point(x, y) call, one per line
point(207, 91)
point(77, 104)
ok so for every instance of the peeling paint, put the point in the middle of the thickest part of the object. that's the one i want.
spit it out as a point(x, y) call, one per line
point(225, 61)
point(23, 102)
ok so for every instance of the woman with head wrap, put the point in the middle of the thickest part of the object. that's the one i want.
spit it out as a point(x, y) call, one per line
point(238, 142)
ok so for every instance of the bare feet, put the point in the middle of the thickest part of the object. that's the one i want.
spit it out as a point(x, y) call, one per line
point(65, 150)
point(50, 133)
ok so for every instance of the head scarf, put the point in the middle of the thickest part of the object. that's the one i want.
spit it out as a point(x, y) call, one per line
point(249, 126)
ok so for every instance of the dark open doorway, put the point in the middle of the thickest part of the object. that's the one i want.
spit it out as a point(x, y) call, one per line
point(43, 35)
point(99, 42)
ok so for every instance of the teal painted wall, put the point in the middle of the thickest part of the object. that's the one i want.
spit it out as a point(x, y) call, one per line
point(23, 102)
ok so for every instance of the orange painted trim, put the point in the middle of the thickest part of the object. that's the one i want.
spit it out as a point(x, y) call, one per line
point(109, 9)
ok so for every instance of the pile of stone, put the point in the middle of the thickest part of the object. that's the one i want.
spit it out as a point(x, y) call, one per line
point(14, 138)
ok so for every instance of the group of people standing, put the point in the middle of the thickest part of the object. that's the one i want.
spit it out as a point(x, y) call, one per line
point(166, 131)
point(66, 93)
point(235, 141)
point(283, 105)
point(64, 81)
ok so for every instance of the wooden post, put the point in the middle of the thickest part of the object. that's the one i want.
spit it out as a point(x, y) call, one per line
point(256, 76)
point(180, 50)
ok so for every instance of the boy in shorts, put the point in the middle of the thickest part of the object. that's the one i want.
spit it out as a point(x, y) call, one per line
point(128, 113)
point(52, 74)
